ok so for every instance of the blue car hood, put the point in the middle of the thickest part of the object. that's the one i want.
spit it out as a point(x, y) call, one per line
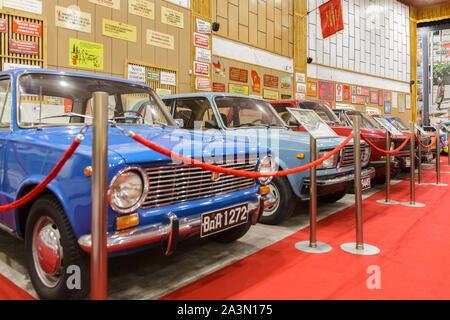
point(130, 151)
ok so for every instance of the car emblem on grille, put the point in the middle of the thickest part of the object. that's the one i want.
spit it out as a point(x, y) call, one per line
point(215, 176)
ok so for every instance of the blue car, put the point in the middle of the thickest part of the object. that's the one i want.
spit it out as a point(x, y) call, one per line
point(254, 120)
point(151, 197)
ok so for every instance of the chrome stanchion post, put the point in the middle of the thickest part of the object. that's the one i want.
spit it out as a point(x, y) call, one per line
point(419, 165)
point(412, 183)
point(313, 246)
point(358, 247)
point(388, 173)
point(448, 148)
point(438, 159)
point(99, 260)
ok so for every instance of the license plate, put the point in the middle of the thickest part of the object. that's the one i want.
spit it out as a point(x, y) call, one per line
point(365, 183)
point(407, 162)
point(223, 219)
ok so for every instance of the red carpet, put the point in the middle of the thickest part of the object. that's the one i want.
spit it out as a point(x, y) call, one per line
point(9, 291)
point(414, 259)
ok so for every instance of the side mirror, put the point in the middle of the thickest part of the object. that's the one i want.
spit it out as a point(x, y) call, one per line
point(179, 122)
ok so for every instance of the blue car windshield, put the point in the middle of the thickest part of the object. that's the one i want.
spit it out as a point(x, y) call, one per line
point(57, 99)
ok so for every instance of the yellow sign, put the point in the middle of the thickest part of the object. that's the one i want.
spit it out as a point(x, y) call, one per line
point(115, 4)
point(238, 89)
point(270, 94)
point(142, 8)
point(119, 30)
point(85, 54)
point(172, 17)
point(159, 39)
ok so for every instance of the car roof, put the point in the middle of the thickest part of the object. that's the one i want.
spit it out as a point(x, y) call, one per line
point(17, 72)
point(209, 95)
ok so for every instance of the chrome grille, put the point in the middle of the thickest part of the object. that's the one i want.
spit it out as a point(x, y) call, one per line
point(347, 155)
point(181, 183)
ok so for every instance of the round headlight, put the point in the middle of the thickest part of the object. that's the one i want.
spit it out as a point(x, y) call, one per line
point(128, 190)
point(266, 165)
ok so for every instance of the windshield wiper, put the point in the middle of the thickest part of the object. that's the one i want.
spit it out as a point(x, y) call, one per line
point(68, 115)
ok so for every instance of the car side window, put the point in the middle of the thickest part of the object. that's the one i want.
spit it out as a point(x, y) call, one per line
point(5, 103)
point(196, 113)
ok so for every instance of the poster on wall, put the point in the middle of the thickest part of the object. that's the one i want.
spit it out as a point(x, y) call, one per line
point(27, 28)
point(301, 88)
point(32, 6)
point(3, 26)
point(347, 94)
point(339, 92)
point(203, 55)
point(387, 107)
point(114, 4)
point(10, 66)
point(159, 39)
point(218, 87)
point(163, 92)
point(202, 26)
point(408, 102)
point(286, 82)
point(219, 68)
point(326, 90)
point(387, 96)
point(331, 17)
point(394, 100)
point(203, 84)
point(361, 100)
point(365, 92)
point(300, 96)
point(300, 77)
point(201, 40)
point(270, 81)
point(311, 90)
point(238, 75)
point(168, 78)
point(201, 68)
point(359, 91)
point(136, 73)
point(256, 81)
point(142, 8)
point(172, 17)
point(353, 90)
point(401, 102)
point(270, 94)
point(73, 19)
point(119, 30)
point(380, 98)
point(85, 54)
point(374, 97)
point(23, 47)
point(238, 89)
point(153, 76)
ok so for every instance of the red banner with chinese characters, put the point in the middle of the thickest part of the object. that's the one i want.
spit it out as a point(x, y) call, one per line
point(23, 47)
point(331, 18)
point(27, 28)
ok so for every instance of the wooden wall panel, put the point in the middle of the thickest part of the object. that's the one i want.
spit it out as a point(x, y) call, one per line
point(433, 13)
point(270, 23)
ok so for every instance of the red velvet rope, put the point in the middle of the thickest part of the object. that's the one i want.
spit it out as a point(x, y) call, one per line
point(385, 151)
point(444, 144)
point(41, 186)
point(433, 141)
point(206, 166)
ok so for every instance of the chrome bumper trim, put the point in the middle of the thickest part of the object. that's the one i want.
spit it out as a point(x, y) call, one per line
point(147, 234)
point(349, 177)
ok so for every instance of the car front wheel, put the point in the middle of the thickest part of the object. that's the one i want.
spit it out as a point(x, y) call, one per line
point(284, 205)
point(58, 268)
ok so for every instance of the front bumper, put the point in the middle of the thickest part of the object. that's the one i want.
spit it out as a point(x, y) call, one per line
point(175, 228)
point(335, 183)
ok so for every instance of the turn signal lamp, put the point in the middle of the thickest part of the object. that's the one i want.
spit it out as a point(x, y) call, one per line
point(300, 156)
point(88, 171)
point(263, 190)
point(127, 221)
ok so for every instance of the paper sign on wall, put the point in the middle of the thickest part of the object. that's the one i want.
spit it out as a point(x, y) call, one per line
point(201, 69)
point(10, 66)
point(270, 94)
point(136, 73)
point(72, 19)
point(153, 76)
point(203, 84)
point(163, 92)
point(85, 54)
point(394, 100)
point(201, 40)
point(339, 92)
point(3, 25)
point(219, 87)
point(203, 55)
point(119, 30)
point(203, 26)
point(408, 102)
point(159, 39)
point(238, 89)
point(27, 28)
point(142, 8)
point(301, 87)
point(33, 6)
point(168, 78)
point(300, 77)
point(23, 47)
point(172, 17)
point(115, 4)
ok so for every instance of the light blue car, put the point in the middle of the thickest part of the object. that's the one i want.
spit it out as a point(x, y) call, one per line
point(254, 120)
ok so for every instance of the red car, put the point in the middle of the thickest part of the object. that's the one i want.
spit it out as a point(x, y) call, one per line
point(340, 122)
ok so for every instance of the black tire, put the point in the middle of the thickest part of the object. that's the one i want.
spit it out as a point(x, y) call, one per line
point(331, 198)
point(232, 234)
point(285, 206)
point(48, 209)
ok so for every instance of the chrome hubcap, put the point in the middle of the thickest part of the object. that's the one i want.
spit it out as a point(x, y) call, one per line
point(272, 209)
point(47, 251)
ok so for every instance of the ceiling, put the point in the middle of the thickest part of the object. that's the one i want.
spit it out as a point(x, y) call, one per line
point(422, 3)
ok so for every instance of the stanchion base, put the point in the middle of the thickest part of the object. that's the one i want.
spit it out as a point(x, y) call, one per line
point(390, 202)
point(415, 204)
point(422, 184)
point(321, 247)
point(368, 250)
point(438, 184)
